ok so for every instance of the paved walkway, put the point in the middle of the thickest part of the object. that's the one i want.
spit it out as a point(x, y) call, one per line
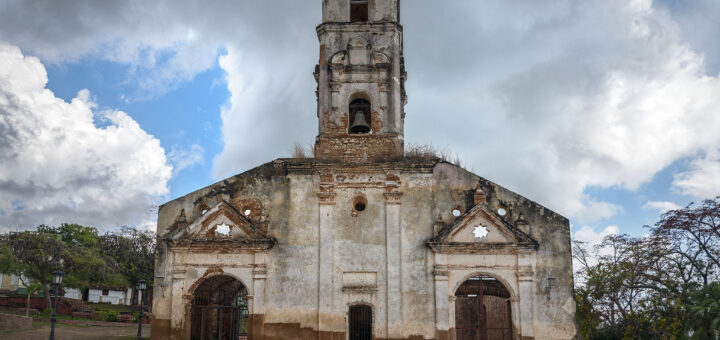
point(41, 330)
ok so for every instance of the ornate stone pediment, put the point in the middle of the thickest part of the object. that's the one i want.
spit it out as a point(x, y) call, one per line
point(221, 225)
point(480, 230)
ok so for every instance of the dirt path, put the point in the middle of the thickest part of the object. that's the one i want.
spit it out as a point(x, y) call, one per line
point(41, 330)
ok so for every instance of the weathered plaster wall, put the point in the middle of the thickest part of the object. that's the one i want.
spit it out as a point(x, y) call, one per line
point(308, 207)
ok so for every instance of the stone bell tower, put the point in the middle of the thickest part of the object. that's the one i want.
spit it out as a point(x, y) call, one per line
point(361, 81)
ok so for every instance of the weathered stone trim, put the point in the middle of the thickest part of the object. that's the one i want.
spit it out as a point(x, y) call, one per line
point(477, 248)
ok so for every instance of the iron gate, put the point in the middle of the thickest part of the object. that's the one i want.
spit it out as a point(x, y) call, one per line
point(219, 310)
point(220, 323)
point(482, 310)
point(360, 322)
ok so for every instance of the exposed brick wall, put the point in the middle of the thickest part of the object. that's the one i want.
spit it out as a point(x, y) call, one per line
point(9, 321)
point(358, 148)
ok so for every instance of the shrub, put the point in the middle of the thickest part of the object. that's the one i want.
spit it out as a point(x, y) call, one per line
point(100, 315)
point(46, 312)
point(112, 315)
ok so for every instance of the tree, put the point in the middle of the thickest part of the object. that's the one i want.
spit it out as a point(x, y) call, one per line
point(32, 287)
point(705, 313)
point(693, 236)
point(134, 252)
point(660, 286)
point(36, 255)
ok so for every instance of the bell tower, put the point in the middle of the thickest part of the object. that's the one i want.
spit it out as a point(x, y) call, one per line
point(361, 81)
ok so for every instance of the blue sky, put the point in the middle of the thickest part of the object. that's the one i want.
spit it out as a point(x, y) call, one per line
point(187, 115)
point(604, 111)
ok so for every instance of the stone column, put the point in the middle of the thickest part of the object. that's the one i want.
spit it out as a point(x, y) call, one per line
point(258, 301)
point(178, 310)
point(326, 201)
point(442, 303)
point(525, 291)
point(393, 243)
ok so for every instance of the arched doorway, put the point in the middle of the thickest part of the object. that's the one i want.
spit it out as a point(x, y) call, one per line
point(360, 322)
point(219, 309)
point(482, 310)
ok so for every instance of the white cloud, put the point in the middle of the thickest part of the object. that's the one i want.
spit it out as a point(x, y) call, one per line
point(58, 166)
point(564, 95)
point(185, 158)
point(662, 206)
point(702, 180)
point(593, 238)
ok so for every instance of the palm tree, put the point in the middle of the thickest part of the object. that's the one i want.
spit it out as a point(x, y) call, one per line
point(705, 313)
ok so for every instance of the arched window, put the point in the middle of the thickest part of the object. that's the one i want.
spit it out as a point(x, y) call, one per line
point(358, 10)
point(360, 322)
point(359, 114)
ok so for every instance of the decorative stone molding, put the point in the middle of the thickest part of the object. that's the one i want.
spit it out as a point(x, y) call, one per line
point(326, 197)
point(393, 197)
point(525, 276)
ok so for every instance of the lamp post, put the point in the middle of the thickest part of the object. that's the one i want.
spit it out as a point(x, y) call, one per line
point(141, 286)
point(57, 280)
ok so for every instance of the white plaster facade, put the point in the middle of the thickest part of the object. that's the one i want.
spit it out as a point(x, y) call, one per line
point(306, 252)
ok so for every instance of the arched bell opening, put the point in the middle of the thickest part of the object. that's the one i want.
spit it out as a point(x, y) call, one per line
point(359, 116)
point(219, 309)
point(482, 310)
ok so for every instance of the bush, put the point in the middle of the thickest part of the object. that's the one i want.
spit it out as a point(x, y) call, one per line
point(100, 315)
point(46, 312)
point(112, 315)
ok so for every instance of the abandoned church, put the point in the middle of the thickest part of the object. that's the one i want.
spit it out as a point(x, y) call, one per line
point(361, 241)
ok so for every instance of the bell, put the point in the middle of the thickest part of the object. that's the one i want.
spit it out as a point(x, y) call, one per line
point(360, 125)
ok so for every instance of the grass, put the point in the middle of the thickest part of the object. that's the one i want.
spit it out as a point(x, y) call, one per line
point(429, 152)
point(301, 151)
point(108, 307)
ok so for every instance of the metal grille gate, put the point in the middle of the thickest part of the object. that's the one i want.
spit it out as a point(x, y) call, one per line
point(221, 322)
point(482, 310)
point(360, 322)
point(219, 310)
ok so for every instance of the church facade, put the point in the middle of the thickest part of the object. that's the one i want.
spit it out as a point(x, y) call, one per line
point(361, 241)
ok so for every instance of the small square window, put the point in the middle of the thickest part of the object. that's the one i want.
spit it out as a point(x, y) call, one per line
point(105, 292)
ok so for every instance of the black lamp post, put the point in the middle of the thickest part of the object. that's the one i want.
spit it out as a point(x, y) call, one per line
point(57, 280)
point(141, 286)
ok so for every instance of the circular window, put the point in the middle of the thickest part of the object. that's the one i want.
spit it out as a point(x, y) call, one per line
point(359, 203)
point(247, 212)
point(502, 212)
point(456, 212)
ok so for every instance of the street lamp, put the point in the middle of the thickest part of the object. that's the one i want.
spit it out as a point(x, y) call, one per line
point(141, 286)
point(57, 280)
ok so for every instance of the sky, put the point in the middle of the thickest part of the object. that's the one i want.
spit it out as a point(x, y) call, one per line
point(605, 111)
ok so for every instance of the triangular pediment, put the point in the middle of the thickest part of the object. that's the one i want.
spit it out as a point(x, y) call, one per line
point(220, 224)
point(480, 228)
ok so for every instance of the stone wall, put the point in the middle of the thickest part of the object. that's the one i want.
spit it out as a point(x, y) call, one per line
point(358, 149)
point(10, 322)
point(329, 256)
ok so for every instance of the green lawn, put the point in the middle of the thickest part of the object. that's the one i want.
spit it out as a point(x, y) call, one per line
point(109, 307)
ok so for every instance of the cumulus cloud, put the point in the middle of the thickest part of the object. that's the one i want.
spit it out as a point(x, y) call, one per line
point(567, 95)
point(661, 206)
point(702, 180)
point(560, 95)
point(58, 166)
